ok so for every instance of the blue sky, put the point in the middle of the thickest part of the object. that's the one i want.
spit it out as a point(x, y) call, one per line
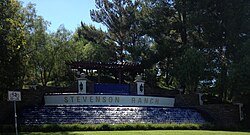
point(67, 12)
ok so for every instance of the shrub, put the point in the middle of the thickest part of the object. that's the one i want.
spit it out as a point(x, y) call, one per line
point(105, 127)
point(112, 127)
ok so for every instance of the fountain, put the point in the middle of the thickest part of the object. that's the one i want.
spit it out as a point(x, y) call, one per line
point(108, 103)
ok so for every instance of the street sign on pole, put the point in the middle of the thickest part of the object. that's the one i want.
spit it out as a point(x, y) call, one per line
point(14, 96)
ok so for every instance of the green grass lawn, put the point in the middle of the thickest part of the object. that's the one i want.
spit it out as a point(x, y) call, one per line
point(150, 132)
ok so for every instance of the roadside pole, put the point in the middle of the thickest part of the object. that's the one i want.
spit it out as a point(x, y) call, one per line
point(15, 117)
point(14, 96)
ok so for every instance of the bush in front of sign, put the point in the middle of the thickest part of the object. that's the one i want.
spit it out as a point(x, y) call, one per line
point(107, 127)
point(115, 127)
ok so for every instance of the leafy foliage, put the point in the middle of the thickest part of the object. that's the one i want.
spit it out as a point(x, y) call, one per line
point(185, 42)
point(93, 45)
point(12, 46)
point(119, 16)
point(190, 69)
point(241, 72)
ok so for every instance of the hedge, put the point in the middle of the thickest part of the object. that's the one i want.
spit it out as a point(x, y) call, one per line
point(104, 127)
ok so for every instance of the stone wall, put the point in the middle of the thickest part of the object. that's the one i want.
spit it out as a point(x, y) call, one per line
point(182, 100)
point(6, 112)
point(221, 114)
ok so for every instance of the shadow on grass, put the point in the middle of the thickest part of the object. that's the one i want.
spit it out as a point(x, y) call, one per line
point(46, 133)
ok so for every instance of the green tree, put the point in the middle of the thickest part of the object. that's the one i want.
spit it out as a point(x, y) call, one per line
point(158, 20)
point(240, 74)
point(53, 50)
point(119, 17)
point(12, 44)
point(223, 27)
point(38, 40)
point(47, 52)
point(94, 45)
point(239, 78)
point(62, 49)
point(190, 69)
point(33, 27)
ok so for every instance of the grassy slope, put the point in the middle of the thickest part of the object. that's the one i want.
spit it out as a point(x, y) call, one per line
point(150, 132)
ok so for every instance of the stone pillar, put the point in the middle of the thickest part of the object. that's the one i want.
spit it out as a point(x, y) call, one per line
point(139, 85)
point(82, 84)
point(200, 98)
point(241, 115)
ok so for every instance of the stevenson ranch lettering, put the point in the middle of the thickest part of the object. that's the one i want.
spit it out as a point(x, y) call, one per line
point(98, 99)
point(108, 100)
point(91, 99)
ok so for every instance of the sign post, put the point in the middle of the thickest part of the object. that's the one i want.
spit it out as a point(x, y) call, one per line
point(14, 96)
